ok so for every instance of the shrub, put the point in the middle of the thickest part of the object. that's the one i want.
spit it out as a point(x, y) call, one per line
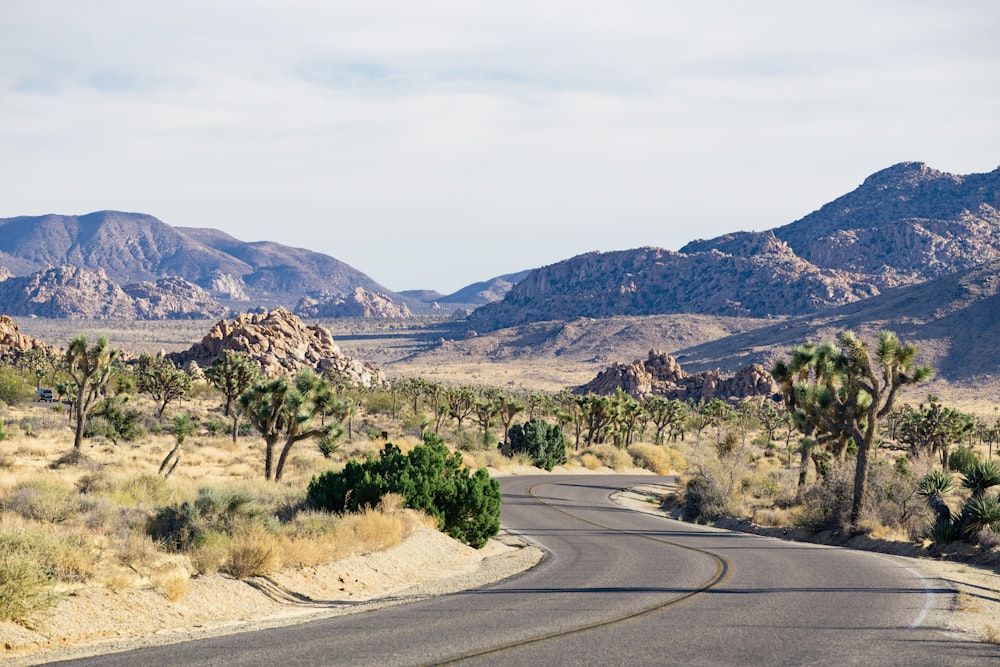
point(44, 500)
point(610, 456)
point(962, 459)
point(25, 591)
point(13, 387)
point(429, 478)
point(651, 457)
point(540, 440)
point(183, 526)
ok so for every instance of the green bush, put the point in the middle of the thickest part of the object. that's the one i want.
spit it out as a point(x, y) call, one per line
point(13, 387)
point(540, 440)
point(429, 478)
point(962, 459)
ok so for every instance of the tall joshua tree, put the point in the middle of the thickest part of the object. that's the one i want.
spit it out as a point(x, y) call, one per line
point(837, 392)
point(90, 369)
point(288, 411)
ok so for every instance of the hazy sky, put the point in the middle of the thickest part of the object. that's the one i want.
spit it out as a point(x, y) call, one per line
point(433, 144)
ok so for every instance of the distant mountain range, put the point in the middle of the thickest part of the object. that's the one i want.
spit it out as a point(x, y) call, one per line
point(109, 250)
point(901, 226)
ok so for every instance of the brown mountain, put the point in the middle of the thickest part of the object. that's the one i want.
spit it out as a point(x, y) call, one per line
point(133, 247)
point(903, 225)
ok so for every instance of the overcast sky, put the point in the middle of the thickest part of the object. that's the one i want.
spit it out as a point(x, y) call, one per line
point(434, 144)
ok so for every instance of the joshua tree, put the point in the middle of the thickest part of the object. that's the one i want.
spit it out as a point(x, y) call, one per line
point(158, 377)
point(90, 369)
point(838, 393)
point(183, 425)
point(232, 374)
point(288, 411)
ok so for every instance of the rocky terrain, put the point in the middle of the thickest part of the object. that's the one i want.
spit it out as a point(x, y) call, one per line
point(282, 344)
point(903, 225)
point(661, 375)
point(359, 303)
point(78, 293)
point(13, 343)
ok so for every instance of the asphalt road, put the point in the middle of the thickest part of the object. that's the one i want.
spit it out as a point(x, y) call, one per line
point(627, 588)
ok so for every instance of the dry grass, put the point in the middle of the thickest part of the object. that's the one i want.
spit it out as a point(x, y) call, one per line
point(610, 456)
point(252, 553)
point(658, 459)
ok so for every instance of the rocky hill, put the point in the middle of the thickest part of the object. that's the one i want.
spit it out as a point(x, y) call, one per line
point(952, 320)
point(359, 303)
point(661, 375)
point(282, 344)
point(78, 293)
point(903, 225)
point(133, 247)
point(13, 343)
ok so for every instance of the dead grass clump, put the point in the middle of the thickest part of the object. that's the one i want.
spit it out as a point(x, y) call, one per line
point(209, 554)
point(372, 530)
point(252, 553)
point(44, 500)
point(610, 456)
point(137, 551)
point(651, 457)
point(590, 462)
point(773, 517)
point(144, 489)
point(171, 580)
point(991, 634)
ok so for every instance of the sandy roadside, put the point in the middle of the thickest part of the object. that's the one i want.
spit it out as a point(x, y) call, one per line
point(427, 563)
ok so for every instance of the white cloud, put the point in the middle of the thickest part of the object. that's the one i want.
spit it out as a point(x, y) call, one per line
point(434, 144)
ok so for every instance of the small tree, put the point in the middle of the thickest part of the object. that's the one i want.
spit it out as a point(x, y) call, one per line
point(90, 369)
point(291, 412)
point(542, 441)
point(164, 382)
point(232, 374)
point(182, 426)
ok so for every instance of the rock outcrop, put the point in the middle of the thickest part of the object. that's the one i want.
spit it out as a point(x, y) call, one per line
point(172, 298)
point(13, 343)
point(76, 293)
point(661, 375)
point(282, 344)
point(359, 303)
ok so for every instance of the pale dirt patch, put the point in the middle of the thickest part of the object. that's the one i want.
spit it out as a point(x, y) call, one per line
point(975, 606)
point(98, 620)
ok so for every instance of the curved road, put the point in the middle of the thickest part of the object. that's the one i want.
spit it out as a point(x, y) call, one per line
point(621, 587)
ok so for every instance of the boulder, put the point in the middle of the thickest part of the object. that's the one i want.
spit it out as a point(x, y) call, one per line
point(661, 375)
point(282, 344)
